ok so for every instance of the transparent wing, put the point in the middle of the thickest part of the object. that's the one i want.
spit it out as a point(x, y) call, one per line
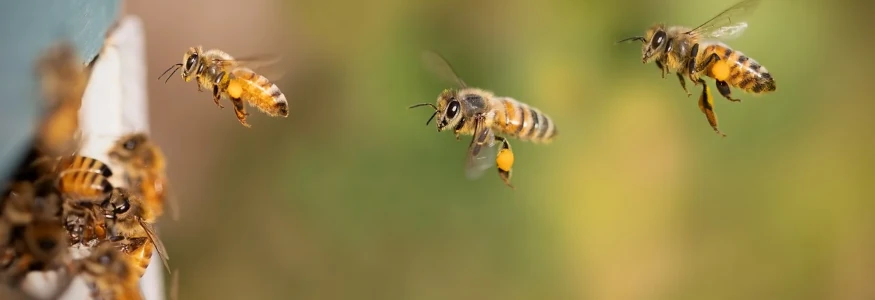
point(159, 246)
point(251, 61)
point(439, 65)
point(481, 152)
point(729, 24)
point(265, 64)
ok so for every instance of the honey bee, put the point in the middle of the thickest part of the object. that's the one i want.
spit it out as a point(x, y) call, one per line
point(83, 178)
point(144, 166)
point(129, 224)
point(489, 118)
point(230, 78)
point(699, 51)
point(111, 275)
point(63, 79)
point(36, 241)
point(83, 184)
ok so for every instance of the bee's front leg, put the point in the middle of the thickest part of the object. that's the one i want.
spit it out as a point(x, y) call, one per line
point(662, 69)
point(216, 96)
point(197, 79)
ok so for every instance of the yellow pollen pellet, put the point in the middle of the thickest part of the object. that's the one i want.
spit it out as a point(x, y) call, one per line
point(504, 159)
point(720, 70)
point(234, 89)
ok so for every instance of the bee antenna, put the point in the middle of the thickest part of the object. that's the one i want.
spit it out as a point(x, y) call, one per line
point(427, 104)
point(432, 118)
point(634, 38)
point(423, 104)
point(175, 68)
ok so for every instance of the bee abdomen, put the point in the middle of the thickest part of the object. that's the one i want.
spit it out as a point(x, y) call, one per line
point(141, 258)
point(543, 129)
point(745, 73)
point(258, 91)
point(83, 185)
point(524, 122)
point(77, 162)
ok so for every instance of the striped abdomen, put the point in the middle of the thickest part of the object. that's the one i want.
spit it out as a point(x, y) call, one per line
point(83, 178)
point(258, 91)
point(140, 258)
point(744, 72)
point(519, 120)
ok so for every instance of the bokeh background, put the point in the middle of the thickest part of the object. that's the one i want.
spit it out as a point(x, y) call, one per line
point(352, 197)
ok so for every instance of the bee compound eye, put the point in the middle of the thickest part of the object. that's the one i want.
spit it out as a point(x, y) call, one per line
point(658, 38)
point(453, 109)
point(191, 61)
point(130, 145)
point(123, 208)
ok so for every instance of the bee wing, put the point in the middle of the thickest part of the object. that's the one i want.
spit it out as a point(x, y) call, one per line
point(265, 64)
point(439, 65)
point(174, 286)
point(481, 151)
point(159, 246)
point(728, 24)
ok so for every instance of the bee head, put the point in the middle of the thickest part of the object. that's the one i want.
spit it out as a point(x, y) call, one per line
point(104, 259)
point(44, 239)
point(190, 61)
point(653, 43)
point(449, 110)
point(127, 146)
point(122, 210)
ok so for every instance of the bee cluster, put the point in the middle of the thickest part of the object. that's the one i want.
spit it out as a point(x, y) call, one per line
point(60, 211)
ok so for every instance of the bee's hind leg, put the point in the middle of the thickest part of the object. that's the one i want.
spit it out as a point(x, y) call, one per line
point(706, 104)
point(504, 161)
point(216, 96)
point(240, 111)
point(723, 87)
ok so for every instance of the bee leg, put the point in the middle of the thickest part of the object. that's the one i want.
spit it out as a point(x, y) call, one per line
point(216, 96)
point(683, 83)
point(706, 105)
point(691, 64)
point(704, 65)
point(661, 68)
point(504, 161)
point(723, 87)
point(240, 111)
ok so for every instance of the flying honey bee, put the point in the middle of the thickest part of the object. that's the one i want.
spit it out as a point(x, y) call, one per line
point(112, 276)
point(699, 51)
point(144, 166)
point(129, 224)
point(231, 78)
point(489, 118)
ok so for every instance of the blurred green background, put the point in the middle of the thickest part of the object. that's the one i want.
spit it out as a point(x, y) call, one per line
point(352, 197)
